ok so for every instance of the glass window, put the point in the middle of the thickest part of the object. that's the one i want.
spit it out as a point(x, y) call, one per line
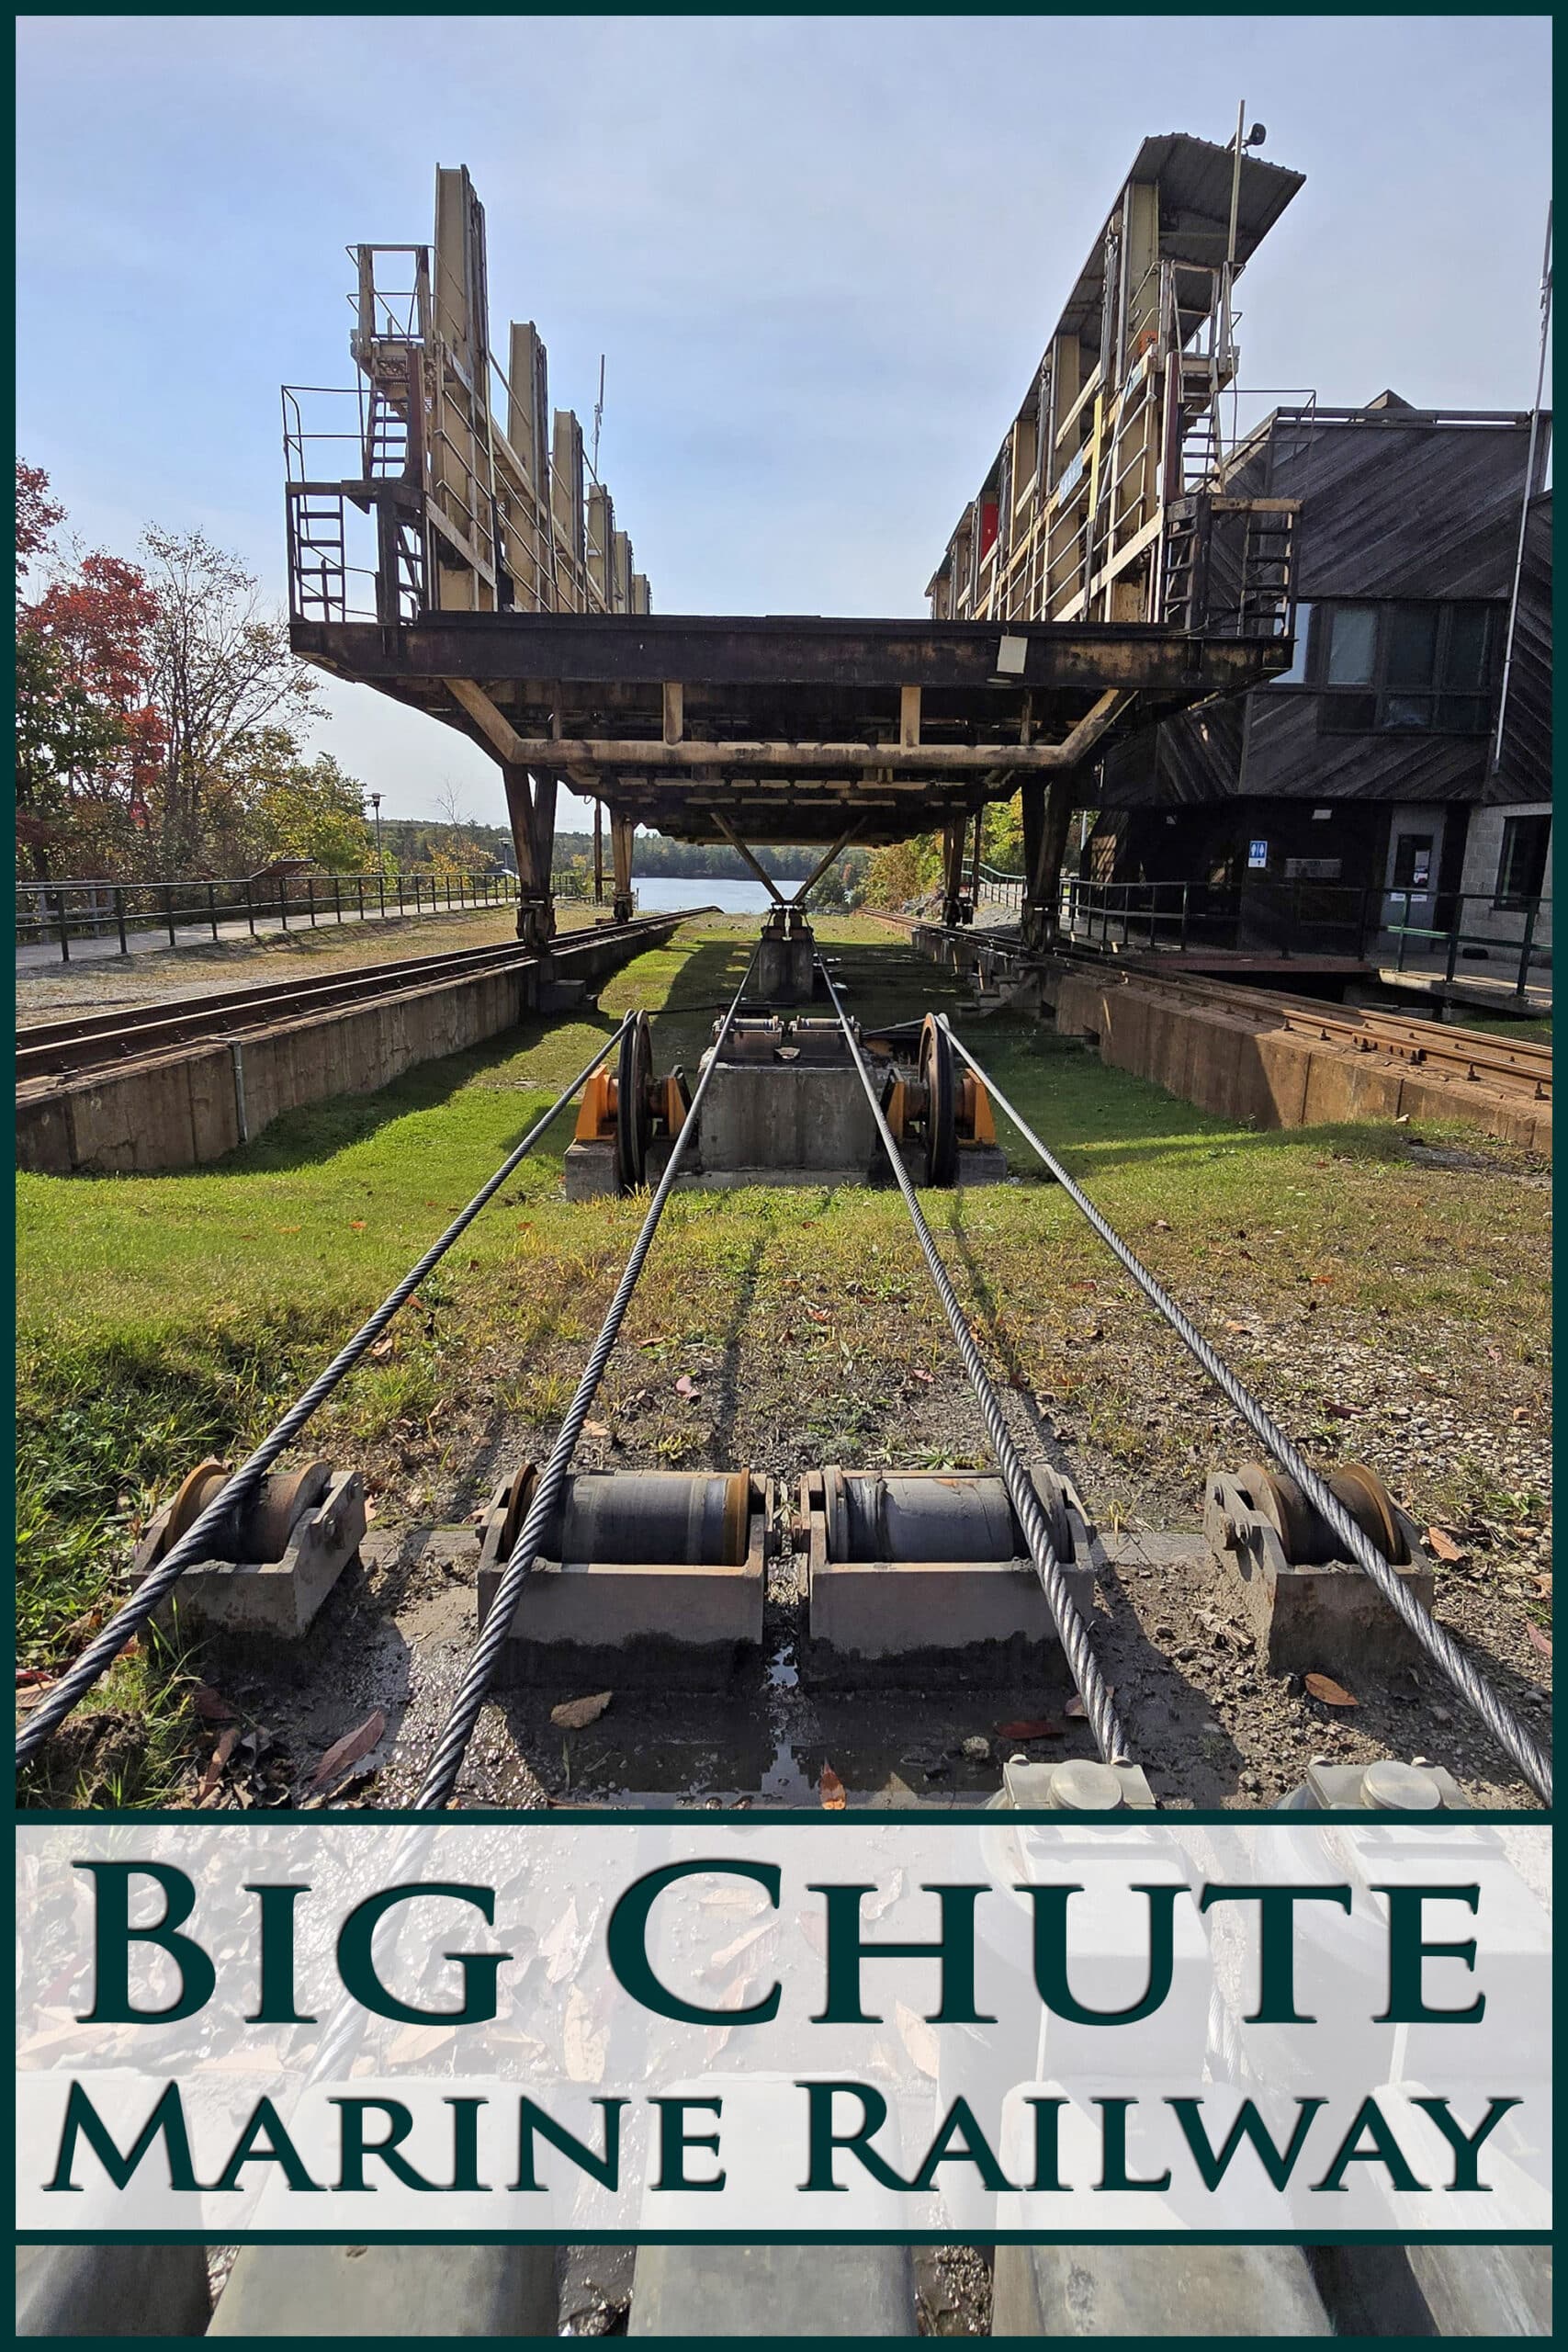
point(1411, 655)
point(1412, 862)
point(1352, 645)
point(1464, 656)
point(1521, 869)
point(1297, 674)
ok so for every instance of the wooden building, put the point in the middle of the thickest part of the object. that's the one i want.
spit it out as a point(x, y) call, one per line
point(1370, 767)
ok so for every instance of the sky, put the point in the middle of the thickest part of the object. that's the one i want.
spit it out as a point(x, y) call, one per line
point(820, 256)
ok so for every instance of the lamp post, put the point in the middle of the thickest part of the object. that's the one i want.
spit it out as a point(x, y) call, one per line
point(376, 807)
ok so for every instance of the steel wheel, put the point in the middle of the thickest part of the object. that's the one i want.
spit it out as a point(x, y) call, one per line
point(941, 1102)
point(634, 1120)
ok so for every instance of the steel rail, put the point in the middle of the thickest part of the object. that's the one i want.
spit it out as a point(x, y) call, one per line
point(1092, 1686)
point(1511, 1733)
point(213, 1526)
point(50, 1048)
point(447, 1760)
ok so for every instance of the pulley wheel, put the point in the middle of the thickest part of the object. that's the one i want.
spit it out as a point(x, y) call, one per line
point(937, 1077)
point(284, 1497)
point(1370, 1505)
point(634, 1118)
point(1306, 1537)
point(202, 1486)
point(520, 1494)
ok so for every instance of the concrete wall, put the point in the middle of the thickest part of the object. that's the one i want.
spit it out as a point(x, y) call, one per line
point(1481, 852)
point(192, 1103)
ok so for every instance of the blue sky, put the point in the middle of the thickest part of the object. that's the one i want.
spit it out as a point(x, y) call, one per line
point(821, 254)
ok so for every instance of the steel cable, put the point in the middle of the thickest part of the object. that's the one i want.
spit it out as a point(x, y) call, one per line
point(1512, 1735)
point(1084, 1666)
point(441, 1775)
point(215, 1524)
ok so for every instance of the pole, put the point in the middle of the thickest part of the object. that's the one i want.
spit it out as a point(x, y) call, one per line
point(120, 918)
point(598, 853)
point(1524, 500)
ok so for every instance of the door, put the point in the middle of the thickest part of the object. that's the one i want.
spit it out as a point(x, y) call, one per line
point(1410, 901)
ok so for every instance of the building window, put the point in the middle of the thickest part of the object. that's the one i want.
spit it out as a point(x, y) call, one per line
point(1521, 869)
point(1401, 668)
point(1296, 675)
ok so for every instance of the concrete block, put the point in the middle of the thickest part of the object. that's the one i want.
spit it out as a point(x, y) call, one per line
point(120, 2289)
point(1239, 2291)
point(278, 1598)
point(645, 1625)
point(930, 1617)
point(786, 968)
point(1330, 1617)
point(1381, 2291)
point(388, 2291)
point(796, 1116)
point(802, 2290)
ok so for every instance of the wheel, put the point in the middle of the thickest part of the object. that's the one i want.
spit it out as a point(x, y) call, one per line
point(202, 1486)
point(287, 1496)
point(941, 1102)
point(634, 1120)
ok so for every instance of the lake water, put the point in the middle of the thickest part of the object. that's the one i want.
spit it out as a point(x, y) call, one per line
point(658, 894)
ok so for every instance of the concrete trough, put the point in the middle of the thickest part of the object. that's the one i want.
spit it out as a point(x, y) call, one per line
point(667, 1623)
point(920, 1621)
point(1327, 1615)
point(273, 1600)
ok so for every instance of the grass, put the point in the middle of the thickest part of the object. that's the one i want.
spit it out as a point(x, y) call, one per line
point(164, 1318)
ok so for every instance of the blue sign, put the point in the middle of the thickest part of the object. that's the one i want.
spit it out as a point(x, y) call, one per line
point(1256, 855)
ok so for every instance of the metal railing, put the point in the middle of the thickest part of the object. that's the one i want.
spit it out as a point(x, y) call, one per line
point(996, 883)
point(183, 912)
point(1300, 916)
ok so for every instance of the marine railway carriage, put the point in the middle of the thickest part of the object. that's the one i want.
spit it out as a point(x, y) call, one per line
point(471, 566)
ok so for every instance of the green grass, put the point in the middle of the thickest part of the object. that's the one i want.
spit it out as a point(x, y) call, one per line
point(164, 1318)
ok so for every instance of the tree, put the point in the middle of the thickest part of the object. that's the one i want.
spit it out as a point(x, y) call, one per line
point(87, 739)
point(222, 672)
point(306, 807)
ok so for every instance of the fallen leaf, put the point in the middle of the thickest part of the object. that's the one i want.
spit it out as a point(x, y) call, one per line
point(1521, 1412)
point(918, 1373)
point(1495, 1355)
point(215, 1763)
point(384, 1347)
point(1443, 1545)
point(1543, 1588)
point(559, 1949)
point(595, 1429)
point(576, 1715)
point(884, 1902)
point(288, 1228)
point(658, 1341)
point(819, 1314)
point(1322, 1278)
point(831, 1789)
point(210, 1705)
point(28, 1674)
point(417, 2041)
point(584, 2045)
point(1076, 1709)
point(1332, 1693)
point(1542, 1640)
point(349, 1749)
point(741, 1943)
point(357, 1225)
point(685, 1385)
point(1162, 1225)
point(1036, 1728)
point(918, 2040)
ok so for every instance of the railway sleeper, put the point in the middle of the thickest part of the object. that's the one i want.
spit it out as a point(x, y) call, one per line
point(1308, 1607)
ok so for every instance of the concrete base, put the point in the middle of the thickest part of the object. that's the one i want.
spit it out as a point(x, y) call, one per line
point(1436, 2290)
point(924, 1620)
point(743, 1120)
point(388, 2291)
point(786, 970)
point(1331, 1618)
point(1239, 2291)
point(802, 2290)
point(278, 1598)
point(123, 2288)
point(682, 1628)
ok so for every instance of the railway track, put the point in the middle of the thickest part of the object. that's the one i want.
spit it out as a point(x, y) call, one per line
point(58, 1049)
point(1320, 2299)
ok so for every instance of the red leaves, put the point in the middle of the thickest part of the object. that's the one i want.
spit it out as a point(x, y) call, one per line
point(1037, 1728)
point(831, 1790)
point(349, 1749)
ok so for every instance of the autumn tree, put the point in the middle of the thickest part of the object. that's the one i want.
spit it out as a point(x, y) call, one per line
point(222, 674)
point(87, 738)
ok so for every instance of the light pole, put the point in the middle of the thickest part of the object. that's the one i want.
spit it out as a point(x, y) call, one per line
point(376, 805)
